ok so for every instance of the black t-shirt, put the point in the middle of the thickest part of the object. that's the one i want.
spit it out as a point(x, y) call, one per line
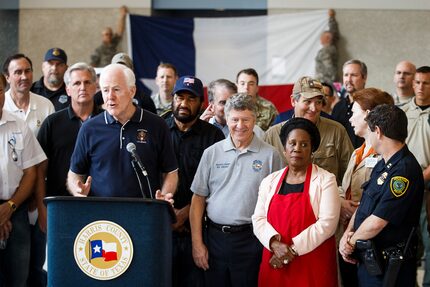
point(57, 136)
point(59, 98)
point(287, 188)
point(188, 147)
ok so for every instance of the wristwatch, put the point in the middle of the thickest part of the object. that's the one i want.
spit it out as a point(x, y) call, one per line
point(12, 205)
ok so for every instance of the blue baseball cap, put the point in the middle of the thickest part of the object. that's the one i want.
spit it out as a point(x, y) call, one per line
point(56, 54)
point(190, 84)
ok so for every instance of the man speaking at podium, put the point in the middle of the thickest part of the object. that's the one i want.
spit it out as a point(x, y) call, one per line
point(125, 151)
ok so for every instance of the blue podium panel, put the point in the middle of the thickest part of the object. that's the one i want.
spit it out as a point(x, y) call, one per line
point(109, 242)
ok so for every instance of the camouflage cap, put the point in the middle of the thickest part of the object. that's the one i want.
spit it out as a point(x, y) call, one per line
point(122, 58)
point(308, 88)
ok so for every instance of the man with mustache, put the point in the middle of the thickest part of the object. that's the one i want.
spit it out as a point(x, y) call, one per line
point(19, 153)
point(190, 137)
point(51, 84)
point(28, 106)
point(33, 109)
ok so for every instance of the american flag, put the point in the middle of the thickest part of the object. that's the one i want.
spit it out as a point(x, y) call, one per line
point(188, 81)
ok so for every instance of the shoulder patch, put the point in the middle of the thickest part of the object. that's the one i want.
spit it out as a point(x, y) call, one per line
point(399, 185)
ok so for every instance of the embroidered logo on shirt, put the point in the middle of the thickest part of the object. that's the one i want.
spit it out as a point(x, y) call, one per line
point(257, 165)
point(399, 185)
point(63, 99)
point(141, 136)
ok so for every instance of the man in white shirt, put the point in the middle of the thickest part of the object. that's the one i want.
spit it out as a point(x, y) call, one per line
point(33, 109)
point(20, 153)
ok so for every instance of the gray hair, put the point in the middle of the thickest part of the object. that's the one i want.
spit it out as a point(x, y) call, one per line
point(128, 73)
point(220, 83)
point(81, 66)
point(363, 67)
point(240, 102)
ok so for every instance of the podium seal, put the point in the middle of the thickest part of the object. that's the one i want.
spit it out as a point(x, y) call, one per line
point(103, 250)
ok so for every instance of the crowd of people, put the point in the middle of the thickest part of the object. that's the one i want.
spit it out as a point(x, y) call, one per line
point(329, 193)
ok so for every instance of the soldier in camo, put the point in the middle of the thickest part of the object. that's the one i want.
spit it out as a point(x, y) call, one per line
point(247, 82)
point(327, 57)
point(103, 54)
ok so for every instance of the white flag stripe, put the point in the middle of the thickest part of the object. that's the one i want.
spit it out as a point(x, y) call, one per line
point(281, 47)
point(109, 246)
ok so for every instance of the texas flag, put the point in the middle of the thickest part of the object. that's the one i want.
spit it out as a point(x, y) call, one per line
point(106, 250)
point(281, 48)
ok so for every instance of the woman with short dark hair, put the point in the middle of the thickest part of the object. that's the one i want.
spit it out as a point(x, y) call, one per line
point(296, 215)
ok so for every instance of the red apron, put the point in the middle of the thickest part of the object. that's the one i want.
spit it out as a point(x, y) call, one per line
point(290, 214)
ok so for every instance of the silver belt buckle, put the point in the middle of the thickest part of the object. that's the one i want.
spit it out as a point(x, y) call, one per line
point(225, 229)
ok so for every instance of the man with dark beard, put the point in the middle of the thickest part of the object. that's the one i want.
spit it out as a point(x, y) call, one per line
point(51, 84)
point(190, 137)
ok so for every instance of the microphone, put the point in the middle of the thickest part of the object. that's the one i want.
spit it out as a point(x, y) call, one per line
point(131, 148)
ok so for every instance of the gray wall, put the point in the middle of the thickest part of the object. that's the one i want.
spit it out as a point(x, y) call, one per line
point(8, 33)
point(381, 38)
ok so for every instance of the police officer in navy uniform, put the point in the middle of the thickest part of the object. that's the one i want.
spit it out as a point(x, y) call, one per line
point(380, 236)
point(51, 85)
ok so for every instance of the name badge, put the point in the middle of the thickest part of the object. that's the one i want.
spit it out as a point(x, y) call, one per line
point(370, 161)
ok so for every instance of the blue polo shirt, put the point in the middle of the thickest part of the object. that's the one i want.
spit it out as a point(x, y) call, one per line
point(101, 152)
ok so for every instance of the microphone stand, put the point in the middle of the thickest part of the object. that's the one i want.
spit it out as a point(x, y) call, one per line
point(145, 174)
point(133, 163)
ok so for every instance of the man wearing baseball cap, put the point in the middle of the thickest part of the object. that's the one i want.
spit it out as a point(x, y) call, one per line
point(335, 148)
point(51, 84)
point(190, 137)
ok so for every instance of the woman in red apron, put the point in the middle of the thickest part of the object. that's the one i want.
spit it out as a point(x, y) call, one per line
point(297, 214)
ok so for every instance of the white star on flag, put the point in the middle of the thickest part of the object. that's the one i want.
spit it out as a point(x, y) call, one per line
point(96, 249)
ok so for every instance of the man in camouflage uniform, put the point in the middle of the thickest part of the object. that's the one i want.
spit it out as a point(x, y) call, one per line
point(326, 59)
point(247, 82)
point(103, 54)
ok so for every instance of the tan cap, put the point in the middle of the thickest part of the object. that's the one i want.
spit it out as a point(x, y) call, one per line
point(308, 88)
point(122, 58)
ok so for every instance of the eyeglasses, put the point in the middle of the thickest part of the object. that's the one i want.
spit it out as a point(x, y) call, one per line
point(12, 143)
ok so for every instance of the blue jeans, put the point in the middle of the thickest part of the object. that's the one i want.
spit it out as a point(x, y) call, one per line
point(15, 259)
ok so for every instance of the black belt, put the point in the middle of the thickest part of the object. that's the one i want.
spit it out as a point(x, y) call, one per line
point(230, 228)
